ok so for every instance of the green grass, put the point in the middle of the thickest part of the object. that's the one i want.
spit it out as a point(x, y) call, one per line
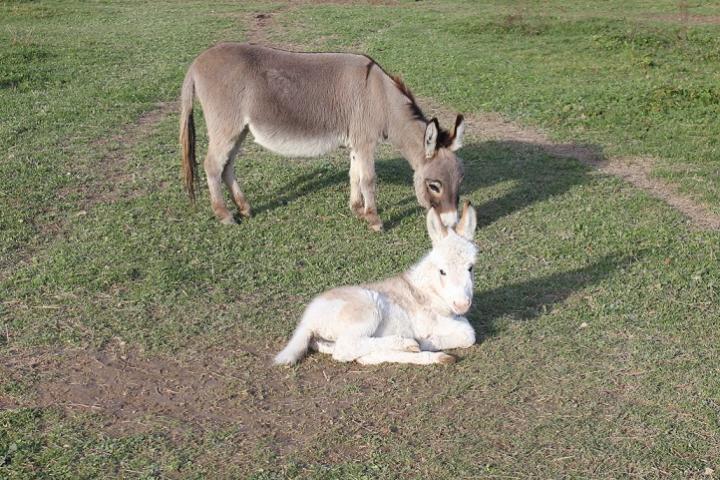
point(596, 305)
point(607, 73)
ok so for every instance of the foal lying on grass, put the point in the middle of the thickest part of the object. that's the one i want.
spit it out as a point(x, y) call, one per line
point(408, 318)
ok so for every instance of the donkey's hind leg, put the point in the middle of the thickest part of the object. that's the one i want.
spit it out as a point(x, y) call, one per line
point(350, 347)
point(215, 161)
point(362, 185)
point(222, 147)
point(228, 176)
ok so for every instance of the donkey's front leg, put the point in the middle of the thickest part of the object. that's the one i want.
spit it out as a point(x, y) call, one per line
point(362, 185)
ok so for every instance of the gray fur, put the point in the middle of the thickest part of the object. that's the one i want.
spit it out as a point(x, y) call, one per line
point(306, 104)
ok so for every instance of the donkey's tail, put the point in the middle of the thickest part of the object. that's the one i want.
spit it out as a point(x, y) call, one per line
point(187, 134)
point(296, 347)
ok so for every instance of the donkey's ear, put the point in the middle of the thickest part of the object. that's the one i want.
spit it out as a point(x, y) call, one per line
point(457, 135)
point(436, 229)
point(468, 222)
point(431, 134)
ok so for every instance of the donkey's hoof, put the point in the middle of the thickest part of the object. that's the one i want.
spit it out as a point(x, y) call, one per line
point(358, 208)
point(445, 359)
point(376, 226)
point(245, 211)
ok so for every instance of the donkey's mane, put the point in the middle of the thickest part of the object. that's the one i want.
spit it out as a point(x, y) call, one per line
point(414, 107)
point(444, 138)
point(415, 110)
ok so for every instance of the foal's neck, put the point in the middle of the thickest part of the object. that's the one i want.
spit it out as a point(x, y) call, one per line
point(419, 279)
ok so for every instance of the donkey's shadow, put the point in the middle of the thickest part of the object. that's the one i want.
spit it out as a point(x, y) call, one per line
point(531, 173)
point(536, 171)
point(319, 178)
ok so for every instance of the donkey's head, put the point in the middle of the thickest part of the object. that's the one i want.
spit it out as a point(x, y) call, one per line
point(450, 263)
point(437, 180)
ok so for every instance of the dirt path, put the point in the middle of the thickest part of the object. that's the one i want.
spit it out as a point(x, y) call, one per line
point(115, 172)
point(634, 170)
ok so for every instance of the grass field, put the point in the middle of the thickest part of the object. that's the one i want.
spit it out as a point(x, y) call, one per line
point(136, 332)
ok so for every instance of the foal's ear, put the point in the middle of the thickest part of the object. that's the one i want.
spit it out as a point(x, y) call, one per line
point(468, 222)
point(431, 134)
point(458, 133)
point(436, 229)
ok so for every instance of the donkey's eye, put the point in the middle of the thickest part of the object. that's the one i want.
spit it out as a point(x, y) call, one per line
point(442, 272)
point(434, 187)
point(470, 268)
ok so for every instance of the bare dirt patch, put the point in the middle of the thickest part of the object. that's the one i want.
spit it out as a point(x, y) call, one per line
point(686, 18)
point(130, 392)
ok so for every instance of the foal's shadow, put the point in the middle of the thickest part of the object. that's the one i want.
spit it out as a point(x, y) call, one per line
point(529, 299)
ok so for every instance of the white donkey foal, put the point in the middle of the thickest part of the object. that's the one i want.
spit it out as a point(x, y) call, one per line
point(408, 318)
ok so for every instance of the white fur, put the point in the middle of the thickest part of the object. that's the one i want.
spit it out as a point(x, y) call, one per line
point(300, 146)
point(407, 319)
point(449, 219)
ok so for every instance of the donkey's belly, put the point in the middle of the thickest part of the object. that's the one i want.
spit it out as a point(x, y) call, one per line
point(296, 146)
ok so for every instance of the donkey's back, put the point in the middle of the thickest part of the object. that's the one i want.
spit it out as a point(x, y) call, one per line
point(295, 104)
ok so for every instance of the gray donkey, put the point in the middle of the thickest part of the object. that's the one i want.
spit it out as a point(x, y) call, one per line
point(306, 104)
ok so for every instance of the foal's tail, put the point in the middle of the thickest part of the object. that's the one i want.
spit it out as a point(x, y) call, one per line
point(296, 347)
point(187, 135)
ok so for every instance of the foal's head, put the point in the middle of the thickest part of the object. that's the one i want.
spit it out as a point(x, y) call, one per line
point(437, 180)
point(452, 259)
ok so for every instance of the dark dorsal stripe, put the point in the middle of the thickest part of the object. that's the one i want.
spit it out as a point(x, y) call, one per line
point(444, 138)
point(414, 107)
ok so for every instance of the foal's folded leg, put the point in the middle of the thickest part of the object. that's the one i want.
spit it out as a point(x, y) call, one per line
point(419, 358)
point(349, 348)
point(322, 346)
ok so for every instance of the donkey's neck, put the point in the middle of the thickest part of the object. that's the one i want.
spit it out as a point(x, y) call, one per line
point(406, 126)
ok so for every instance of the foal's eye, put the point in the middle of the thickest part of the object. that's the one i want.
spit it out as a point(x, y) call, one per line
point(442, 272)
point(470, 268)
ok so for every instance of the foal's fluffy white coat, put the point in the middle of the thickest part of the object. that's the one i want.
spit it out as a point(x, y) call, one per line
point(409, 318)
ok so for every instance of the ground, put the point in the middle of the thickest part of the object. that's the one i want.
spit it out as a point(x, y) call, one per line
point(136, 333)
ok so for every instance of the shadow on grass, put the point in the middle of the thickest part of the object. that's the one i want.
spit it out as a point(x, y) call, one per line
point(531, 298)
point(539, 171)
point(319, 178)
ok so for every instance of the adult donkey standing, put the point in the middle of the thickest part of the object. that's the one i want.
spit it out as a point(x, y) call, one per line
point(306, 104)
